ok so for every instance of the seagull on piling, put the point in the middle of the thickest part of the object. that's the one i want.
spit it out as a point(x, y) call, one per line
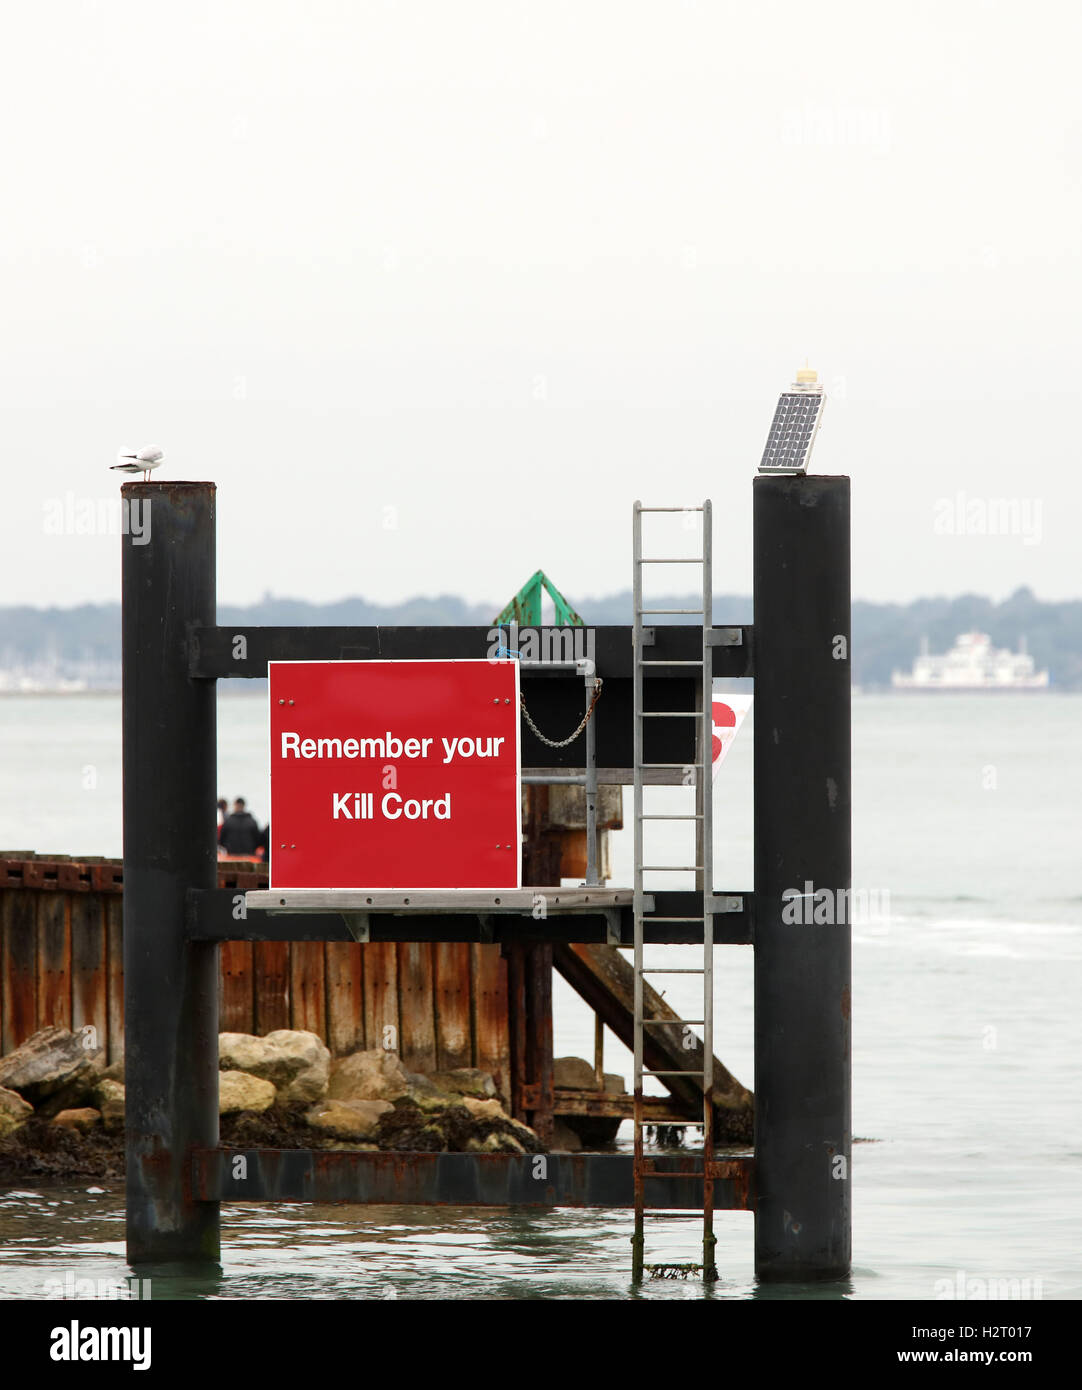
point(138, 461)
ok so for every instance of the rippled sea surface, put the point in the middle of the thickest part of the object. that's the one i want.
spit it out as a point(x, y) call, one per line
point(967, 966)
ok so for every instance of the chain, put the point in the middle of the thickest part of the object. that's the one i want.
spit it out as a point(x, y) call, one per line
point(562, 743)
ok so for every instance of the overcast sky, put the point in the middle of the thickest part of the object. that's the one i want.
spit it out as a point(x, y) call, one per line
point(433, 290)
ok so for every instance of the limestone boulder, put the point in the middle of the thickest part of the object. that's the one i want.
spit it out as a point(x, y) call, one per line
point(373, 1075)
point(484, 1109)
point(430, 1097)
point(297, 1063)
point(240, 1090)
point(14, 1111)
point(465, 1081)
point(573, 1072)
point(348, 1119)
point(109, 1101)
point(82, 1120)
point(52, 1060)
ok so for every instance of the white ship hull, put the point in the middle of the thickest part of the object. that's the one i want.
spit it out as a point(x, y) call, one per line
point(1015, 687)
point(972, 666)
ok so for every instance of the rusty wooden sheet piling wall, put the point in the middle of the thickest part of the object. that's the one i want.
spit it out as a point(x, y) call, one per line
point(61, 961)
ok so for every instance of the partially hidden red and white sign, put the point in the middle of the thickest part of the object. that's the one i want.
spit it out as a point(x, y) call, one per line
point(728, 711)
point(394, 774)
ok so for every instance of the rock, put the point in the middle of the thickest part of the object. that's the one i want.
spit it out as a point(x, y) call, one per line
point(564, 1139)
point(465, 1081)
point(109, 1099)
point(239, 1090)
point(428, 1096)
point(77, 1093)
point(525, 1136)
point(495, 1143)
point(373, 1075)
point(573, 1073)
point(348, 1119)
point(464, 1125)
point(296, 1062)
point(52, 1059)
point(83, 1120)
point(484, 1109)
point(14, 1111)
point(615, 1085)
point(115, 1070)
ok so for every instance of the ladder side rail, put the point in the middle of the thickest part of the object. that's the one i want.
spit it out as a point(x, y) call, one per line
point(638, 1238)
point(706, 780)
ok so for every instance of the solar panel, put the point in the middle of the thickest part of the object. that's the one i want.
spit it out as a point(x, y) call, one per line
point(792, 432)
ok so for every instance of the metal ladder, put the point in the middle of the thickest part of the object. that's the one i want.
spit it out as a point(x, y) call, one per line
point(702, 865)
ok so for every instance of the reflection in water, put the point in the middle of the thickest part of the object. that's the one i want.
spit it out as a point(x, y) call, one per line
point(71, 1239)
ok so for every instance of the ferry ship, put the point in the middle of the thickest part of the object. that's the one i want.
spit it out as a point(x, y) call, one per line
point(972, 664)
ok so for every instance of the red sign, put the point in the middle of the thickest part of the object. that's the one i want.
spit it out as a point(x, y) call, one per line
point(394, 774)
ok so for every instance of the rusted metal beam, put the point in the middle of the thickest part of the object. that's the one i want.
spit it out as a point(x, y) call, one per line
point(92, 874)
point(517, 1027)
point(539, 1038)
point(210, 917)
point(609, 1105)
point(468, 1180)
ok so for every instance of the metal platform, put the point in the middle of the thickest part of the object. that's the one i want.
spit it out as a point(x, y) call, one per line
point(231, 914)
point(438, 900)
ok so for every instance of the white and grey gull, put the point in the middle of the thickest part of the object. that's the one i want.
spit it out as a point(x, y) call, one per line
point(138, 461)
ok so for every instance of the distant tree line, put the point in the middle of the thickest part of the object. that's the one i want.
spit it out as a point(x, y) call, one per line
point(886, 636)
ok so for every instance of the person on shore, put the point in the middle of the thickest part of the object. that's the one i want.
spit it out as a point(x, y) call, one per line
point(239, 834)
point(223, 807)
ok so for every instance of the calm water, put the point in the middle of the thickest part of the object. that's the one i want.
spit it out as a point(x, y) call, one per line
point(965, 1015)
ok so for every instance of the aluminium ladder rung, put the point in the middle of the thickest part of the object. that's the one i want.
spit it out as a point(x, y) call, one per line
point(698, 766)
point(669, 509)
point(664, 560)
point(652, 918)
point(673, 969)
point(671, 868)
point(687, 815)
point(672, 1022)
point(681, 662)
point(649, 612)
point(670, 714)
point(649, 1071)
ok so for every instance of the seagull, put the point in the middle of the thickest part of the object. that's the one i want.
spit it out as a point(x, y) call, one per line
point(138, 461)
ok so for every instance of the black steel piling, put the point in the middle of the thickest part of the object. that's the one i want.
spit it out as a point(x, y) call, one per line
point(802, 846)
point(170, 983)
